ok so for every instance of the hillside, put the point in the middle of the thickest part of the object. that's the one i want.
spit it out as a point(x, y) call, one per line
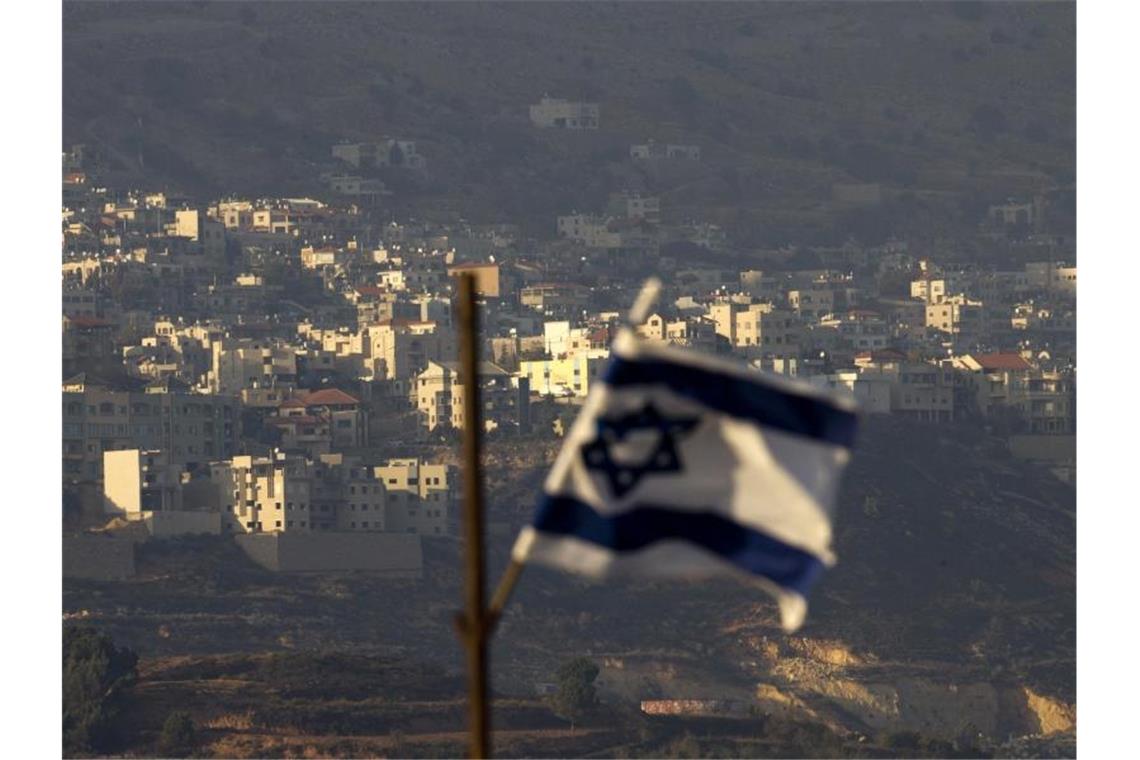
point(947, 104)
point(953, 606)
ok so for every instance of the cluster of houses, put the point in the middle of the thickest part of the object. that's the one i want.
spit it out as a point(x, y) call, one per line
point(272, 365)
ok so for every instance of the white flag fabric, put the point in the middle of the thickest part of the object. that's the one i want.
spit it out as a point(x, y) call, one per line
point(682, 465)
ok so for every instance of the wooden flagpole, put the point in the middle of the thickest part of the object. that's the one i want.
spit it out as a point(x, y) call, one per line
point(476, 625)
point(472, 625)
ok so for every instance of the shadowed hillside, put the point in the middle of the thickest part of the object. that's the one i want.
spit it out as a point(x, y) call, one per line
point(952, 103)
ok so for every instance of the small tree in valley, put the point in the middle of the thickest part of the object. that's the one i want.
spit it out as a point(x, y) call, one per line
point(576, 695)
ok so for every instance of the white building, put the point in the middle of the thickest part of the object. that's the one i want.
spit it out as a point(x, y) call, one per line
point(589, 229)
point(633, 205)
point(386, 152)
point(564, 114)
point(146, 487)
point(653, 150)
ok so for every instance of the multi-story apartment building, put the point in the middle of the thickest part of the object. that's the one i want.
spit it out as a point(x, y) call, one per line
point(695, 332)
point(281, 493)
point(192, 428)
point(1045, 401)
point(89, 343)
point(320, 422)
point(277, 221)
point(234, 215)
point(398, 349)
point(933, 290)
point(240, 363)
point(572, 374)
point(859, 330)
point(84, 303)
point(439, 396)
point(871, 389)
point(345, 487)
point(1052, 276)
point(169, 500)
point(814, 303)
point(633, 205)
point(758, 329)
point(421, 497)
point(554, 299)
point(924, 392)
point(956, 315)
point(135, 481)
point(589, 229)
point(256, 493)
point(209, 234)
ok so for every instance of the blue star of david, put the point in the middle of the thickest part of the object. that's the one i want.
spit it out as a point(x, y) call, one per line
point(623, 478)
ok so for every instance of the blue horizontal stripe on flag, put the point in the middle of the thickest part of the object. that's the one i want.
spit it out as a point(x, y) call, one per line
point(761, 403)
point(634, 529)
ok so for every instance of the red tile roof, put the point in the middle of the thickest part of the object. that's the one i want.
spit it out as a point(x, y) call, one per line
point(329, 397)
point(1007, 361)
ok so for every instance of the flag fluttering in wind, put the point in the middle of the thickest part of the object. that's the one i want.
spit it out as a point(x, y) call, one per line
point(682, 465)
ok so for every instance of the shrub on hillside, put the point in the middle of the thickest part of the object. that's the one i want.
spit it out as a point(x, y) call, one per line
point(178, 734)
point(94, 673)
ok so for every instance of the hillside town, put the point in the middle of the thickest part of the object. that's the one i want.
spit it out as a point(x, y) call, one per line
point(275, 366)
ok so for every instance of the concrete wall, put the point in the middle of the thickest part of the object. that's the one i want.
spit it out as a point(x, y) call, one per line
point(98, 557)
point(182, 522)
point(389, 553)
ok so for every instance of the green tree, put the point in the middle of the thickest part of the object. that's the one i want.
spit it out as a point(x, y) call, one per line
point(94, 673)
point(576, 695)
point(178, 734)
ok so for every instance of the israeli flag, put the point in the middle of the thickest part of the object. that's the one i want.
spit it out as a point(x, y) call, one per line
point(683, 466)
